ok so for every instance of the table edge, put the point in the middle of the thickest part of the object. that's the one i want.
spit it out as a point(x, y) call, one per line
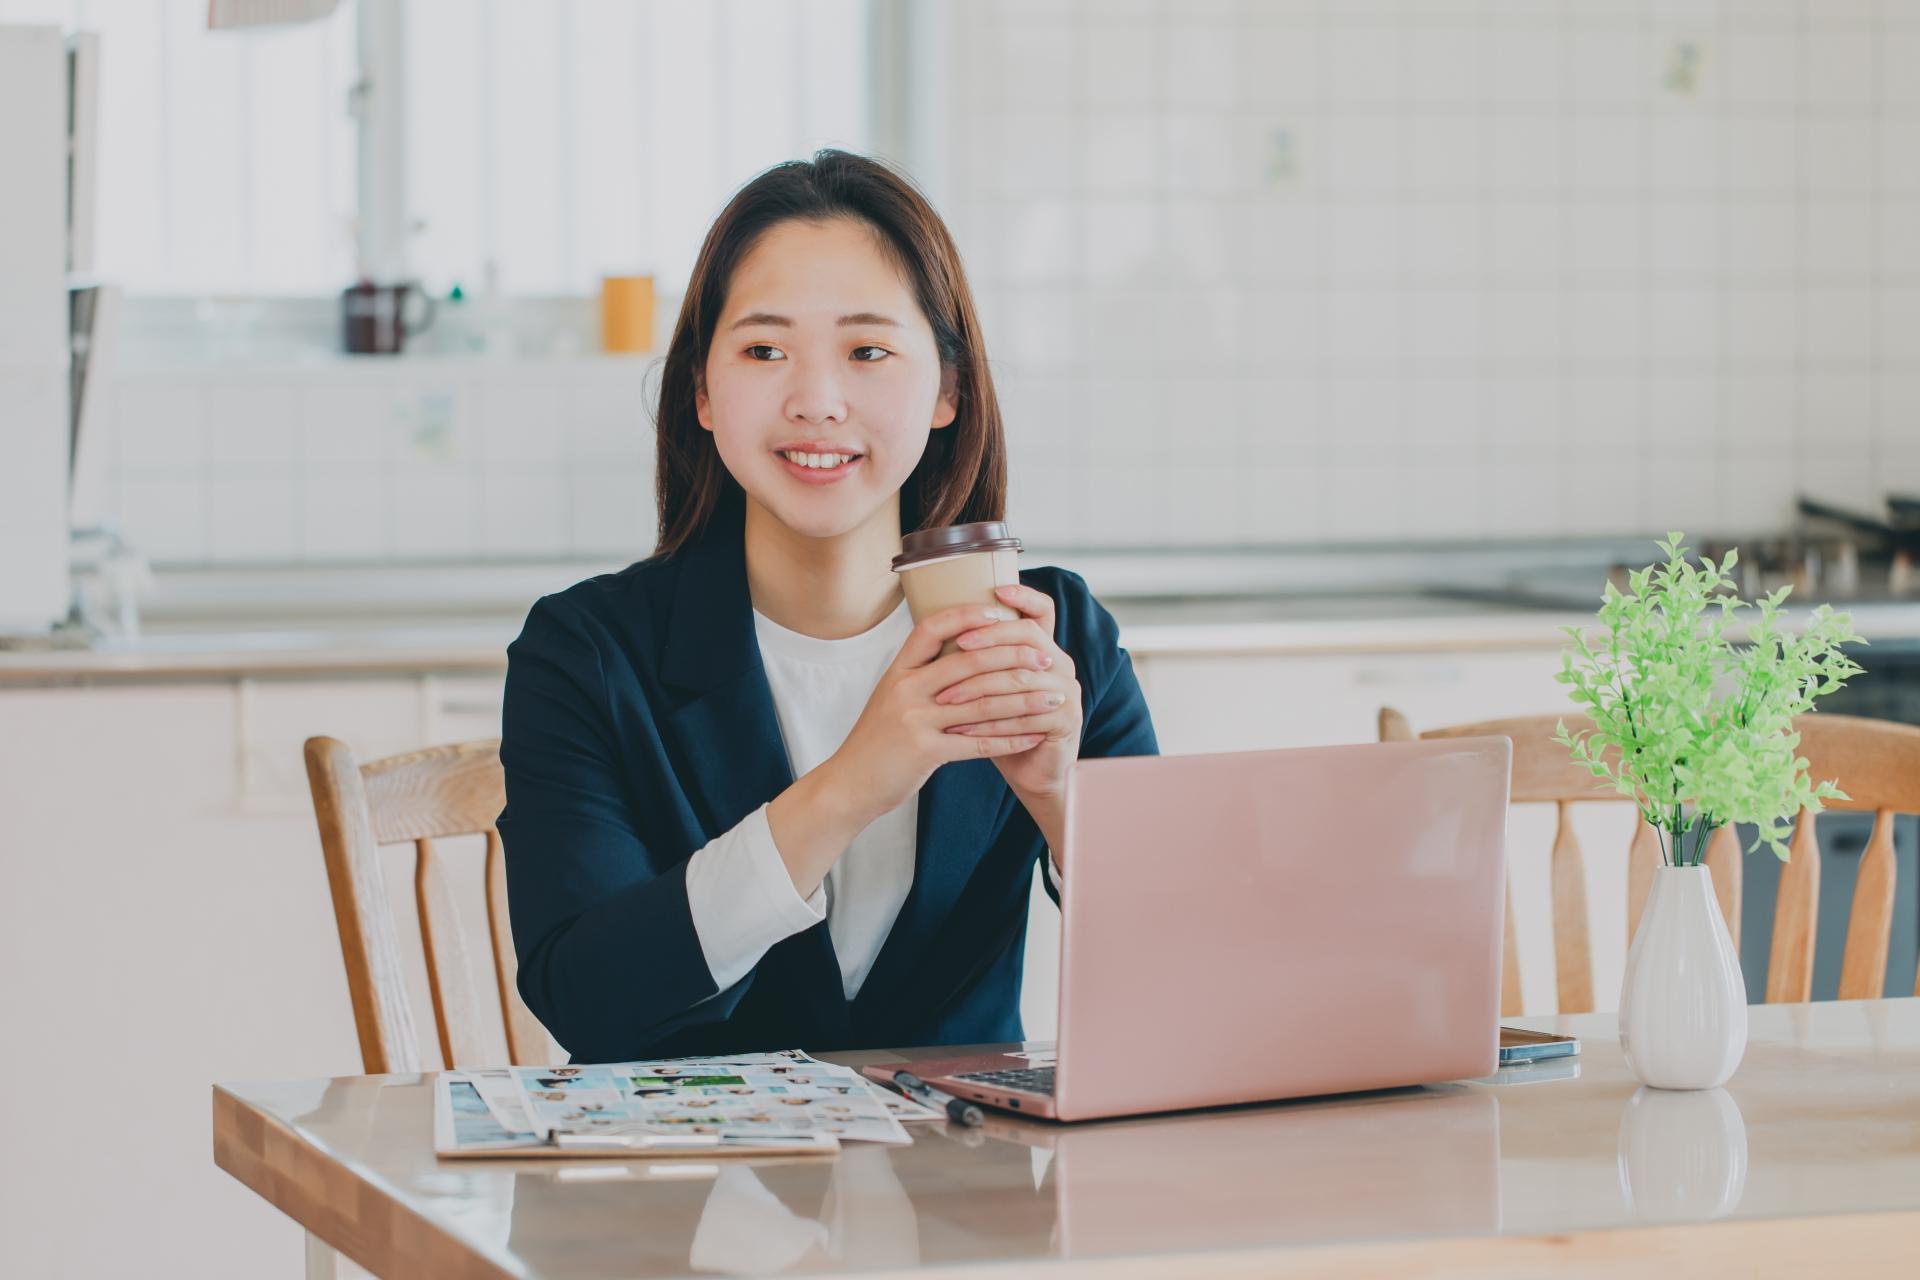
point(307, 1183)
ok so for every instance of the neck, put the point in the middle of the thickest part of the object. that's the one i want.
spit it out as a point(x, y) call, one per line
point(828, 588)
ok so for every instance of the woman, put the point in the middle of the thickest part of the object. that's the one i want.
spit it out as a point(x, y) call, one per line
point(749, 806)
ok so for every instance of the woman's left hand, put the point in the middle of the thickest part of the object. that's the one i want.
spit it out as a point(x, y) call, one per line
point(1038, 774)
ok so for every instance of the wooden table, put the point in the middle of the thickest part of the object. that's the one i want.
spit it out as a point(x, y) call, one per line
point(1807, 1162)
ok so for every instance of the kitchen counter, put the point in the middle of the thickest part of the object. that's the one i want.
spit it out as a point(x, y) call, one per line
point(301, 649)
point(225, 622)
point(1314, 623)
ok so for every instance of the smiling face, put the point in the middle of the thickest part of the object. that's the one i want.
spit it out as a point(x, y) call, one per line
point(823, 379)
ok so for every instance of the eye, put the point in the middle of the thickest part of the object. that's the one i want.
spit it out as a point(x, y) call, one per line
point(884, 353)
point(778, 354)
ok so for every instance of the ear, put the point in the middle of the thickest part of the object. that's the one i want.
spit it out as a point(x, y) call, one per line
point(947, 407)
point(701, 408)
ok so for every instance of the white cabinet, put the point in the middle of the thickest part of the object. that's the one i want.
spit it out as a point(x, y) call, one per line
point(1252, 702)
point(166, 919)
point(460, 708)
point(375, 717)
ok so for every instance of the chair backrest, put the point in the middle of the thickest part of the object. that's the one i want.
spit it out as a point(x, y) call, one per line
point(422, 796)
point(1876, 762)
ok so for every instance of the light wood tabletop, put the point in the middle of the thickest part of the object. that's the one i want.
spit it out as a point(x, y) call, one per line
point(1808, 1160)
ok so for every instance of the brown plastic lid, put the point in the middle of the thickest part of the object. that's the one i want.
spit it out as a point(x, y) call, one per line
point(954, 540)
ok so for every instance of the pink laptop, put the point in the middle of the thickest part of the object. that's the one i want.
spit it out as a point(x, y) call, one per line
point(1255, 925)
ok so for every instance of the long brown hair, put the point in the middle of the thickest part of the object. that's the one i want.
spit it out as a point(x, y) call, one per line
point(962, 476)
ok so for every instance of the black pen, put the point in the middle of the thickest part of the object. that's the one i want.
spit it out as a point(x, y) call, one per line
point(959, 1109)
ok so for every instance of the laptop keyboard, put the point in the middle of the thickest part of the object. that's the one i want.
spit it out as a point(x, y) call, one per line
point(1027, 1079)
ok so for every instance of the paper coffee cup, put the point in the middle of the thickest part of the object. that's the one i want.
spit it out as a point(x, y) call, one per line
point(959, 564)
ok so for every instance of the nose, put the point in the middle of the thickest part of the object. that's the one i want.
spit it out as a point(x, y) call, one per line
point(815, 395)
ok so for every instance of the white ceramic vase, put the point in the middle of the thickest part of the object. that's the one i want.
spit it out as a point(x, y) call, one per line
point(1683, 1004)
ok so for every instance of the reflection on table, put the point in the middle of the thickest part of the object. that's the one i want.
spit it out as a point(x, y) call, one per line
point(1385, 1166)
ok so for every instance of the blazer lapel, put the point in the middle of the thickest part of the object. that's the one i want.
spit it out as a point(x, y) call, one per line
point(730, 756)
point(960, 806)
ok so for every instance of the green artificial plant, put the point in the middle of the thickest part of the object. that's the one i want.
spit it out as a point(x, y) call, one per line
point(1694, 729)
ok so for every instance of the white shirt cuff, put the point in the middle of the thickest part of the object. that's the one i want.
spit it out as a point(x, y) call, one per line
point(743, 900)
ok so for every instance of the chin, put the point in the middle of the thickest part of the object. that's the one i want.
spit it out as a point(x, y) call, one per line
point(818, 526)
point(827, 518)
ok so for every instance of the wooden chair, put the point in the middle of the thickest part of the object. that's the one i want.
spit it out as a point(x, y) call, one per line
point(1876, 763)
point(421, 796)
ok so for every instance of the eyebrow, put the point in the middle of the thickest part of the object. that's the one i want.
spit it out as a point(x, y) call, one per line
point(768, 318)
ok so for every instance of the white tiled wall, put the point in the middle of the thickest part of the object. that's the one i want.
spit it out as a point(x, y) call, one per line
point(419, 460)
point(1325, 270)
point(1265, 271)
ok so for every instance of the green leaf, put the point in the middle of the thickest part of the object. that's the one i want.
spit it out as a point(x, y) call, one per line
point(1689, 721)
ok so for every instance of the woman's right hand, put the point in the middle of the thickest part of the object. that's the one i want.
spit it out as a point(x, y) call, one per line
point(899, 740)
point(901, 736)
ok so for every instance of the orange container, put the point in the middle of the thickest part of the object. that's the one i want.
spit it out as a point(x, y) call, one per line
point(626, 313)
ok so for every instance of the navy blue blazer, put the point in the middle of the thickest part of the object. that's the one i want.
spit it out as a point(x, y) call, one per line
point(639, 726)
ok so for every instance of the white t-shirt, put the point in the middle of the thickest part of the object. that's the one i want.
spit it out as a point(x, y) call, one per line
point(738, 888)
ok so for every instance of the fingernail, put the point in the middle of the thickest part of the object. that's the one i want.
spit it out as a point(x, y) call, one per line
point(1046, 659)
point(1055, 699)
point(1002, 615)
